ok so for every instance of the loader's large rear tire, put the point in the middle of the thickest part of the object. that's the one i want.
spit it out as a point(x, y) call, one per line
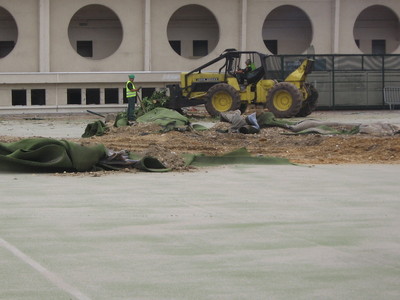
point(310, 104)
point(284, 100)
point(221, 98)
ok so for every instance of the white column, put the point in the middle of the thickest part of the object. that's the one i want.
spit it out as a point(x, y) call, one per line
point(83, 96)
point(44, 42)
point(28, 97)
point(336, 27)
point(102, 96)
point(243, 36)
point(120, 96)
point(147, 35)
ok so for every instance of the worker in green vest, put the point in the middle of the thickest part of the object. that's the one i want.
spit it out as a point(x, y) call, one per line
point(242, 73)
point(249, 66)
point(131, 91)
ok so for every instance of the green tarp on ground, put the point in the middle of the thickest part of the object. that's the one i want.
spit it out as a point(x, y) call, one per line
point(96, 128)
point(239, 156)
point(49, 155)
point(267, 119)
point(326, 130)
point(252, 123)
point(333, 128)
point(121, 120)
point(167, 118)
point(164, 117)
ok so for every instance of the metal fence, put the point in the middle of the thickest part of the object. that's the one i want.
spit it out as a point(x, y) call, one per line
point(345, 81)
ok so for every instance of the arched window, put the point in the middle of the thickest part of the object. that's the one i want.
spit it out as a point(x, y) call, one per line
point(193, 31)
point(376, 30)
point(287, 30)
point(8, 33)
point(95, 32)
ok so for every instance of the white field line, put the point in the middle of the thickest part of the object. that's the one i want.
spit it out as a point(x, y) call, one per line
point(42, 270)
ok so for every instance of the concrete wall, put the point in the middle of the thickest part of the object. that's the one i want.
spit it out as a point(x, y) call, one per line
point(45, 50)
point(234, 30)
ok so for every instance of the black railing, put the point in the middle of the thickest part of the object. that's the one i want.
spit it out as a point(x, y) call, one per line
point(344, 81)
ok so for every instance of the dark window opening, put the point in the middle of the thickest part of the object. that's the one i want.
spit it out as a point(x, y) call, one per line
point(124, 97)
point(272, 46)
point(200, 48)
point(84, 48)
point(74, 96)
point(176, 46)
point(38, 97)
point(92, 96)
point(378, 47)
point(6, 47)
point(147, 92)
point(357, 43)
point(18, 97)
point(110, 96)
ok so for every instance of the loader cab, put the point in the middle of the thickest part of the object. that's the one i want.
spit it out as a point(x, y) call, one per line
point(228, 63)
point(236, 60)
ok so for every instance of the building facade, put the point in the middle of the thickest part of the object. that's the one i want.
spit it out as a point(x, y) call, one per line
point(60, 55)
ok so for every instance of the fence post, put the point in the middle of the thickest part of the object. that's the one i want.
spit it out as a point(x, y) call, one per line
point(333, 82)
point(383, 80)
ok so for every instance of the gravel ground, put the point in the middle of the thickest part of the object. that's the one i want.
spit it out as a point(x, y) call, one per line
point(302, 149)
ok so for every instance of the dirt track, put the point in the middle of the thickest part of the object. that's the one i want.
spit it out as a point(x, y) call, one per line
point(302, 149)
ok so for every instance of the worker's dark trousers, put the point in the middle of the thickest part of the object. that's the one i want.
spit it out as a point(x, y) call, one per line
point(131, 108)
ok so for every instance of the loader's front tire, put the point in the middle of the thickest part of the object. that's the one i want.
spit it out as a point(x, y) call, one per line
point(221, 98)
point(284, 100)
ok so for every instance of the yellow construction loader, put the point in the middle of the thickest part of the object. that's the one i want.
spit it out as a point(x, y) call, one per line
point(232, 87)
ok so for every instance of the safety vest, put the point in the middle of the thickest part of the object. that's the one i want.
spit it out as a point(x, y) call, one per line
point(252, 66)
point(130, 94)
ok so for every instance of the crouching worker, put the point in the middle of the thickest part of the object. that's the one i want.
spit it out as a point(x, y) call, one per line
point(131, 91)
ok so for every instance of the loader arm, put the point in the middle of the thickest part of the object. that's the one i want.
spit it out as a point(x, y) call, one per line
point(199, 69)
point(299, 75)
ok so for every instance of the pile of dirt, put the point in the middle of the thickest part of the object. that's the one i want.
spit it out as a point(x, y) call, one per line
point(151, 139)
point(302, 149)
point(170, 159)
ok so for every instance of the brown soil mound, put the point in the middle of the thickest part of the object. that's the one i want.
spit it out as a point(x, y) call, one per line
point(302, 149)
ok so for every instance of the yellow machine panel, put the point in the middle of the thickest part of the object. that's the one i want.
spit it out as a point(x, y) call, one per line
point(201, 78)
